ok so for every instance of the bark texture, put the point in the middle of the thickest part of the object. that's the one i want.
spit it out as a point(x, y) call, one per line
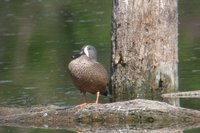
point(144, 49)
point(137, 113)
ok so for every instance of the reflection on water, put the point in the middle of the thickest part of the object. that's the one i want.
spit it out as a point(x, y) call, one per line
point(31, 130)
point(38, 36)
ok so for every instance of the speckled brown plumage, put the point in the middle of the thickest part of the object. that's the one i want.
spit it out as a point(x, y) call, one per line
point(87, 74)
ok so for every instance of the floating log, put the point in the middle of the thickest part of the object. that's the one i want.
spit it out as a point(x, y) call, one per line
point(133, 112)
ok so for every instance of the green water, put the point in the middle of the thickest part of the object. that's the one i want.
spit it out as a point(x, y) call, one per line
point(189, 50)
point(36, 43)
point(37, 38)
point(30, 130)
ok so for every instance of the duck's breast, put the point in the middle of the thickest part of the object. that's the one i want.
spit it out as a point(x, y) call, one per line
point(88, 76)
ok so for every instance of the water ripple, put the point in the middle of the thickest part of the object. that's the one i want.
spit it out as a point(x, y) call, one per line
point(5, 81)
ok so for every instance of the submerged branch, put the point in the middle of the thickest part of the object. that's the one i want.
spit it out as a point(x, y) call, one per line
point(186, 94)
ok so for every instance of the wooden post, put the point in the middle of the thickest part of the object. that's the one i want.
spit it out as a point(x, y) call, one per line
point(144, 49)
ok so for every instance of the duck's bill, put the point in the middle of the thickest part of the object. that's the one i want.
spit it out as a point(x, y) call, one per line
point(76, 54)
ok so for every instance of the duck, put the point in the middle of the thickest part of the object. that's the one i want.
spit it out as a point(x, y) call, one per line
point(87, 74)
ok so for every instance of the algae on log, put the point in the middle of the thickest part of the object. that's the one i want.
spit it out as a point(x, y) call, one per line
point(132, 112)
point(144, 49)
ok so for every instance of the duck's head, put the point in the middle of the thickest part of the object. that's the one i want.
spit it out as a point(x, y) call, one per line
point(88, 50)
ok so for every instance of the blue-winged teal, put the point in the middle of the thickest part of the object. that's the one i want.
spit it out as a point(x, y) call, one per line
point(87, 73)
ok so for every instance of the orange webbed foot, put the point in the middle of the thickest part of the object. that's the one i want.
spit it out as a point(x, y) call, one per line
point(81, 105)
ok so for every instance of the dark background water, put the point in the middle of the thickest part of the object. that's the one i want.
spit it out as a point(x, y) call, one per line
point(37, 38)
point(189, 50)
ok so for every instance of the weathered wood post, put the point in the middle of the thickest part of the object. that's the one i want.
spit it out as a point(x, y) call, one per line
point(144, 48)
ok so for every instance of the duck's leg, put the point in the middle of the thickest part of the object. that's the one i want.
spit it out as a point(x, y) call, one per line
point(84, 98)
point(85, 101)
point(97, 97)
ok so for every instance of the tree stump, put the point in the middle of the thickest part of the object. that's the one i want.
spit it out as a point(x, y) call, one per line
point(144, 49)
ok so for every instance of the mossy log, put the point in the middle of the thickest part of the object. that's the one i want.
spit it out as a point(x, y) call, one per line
point(145, 113)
